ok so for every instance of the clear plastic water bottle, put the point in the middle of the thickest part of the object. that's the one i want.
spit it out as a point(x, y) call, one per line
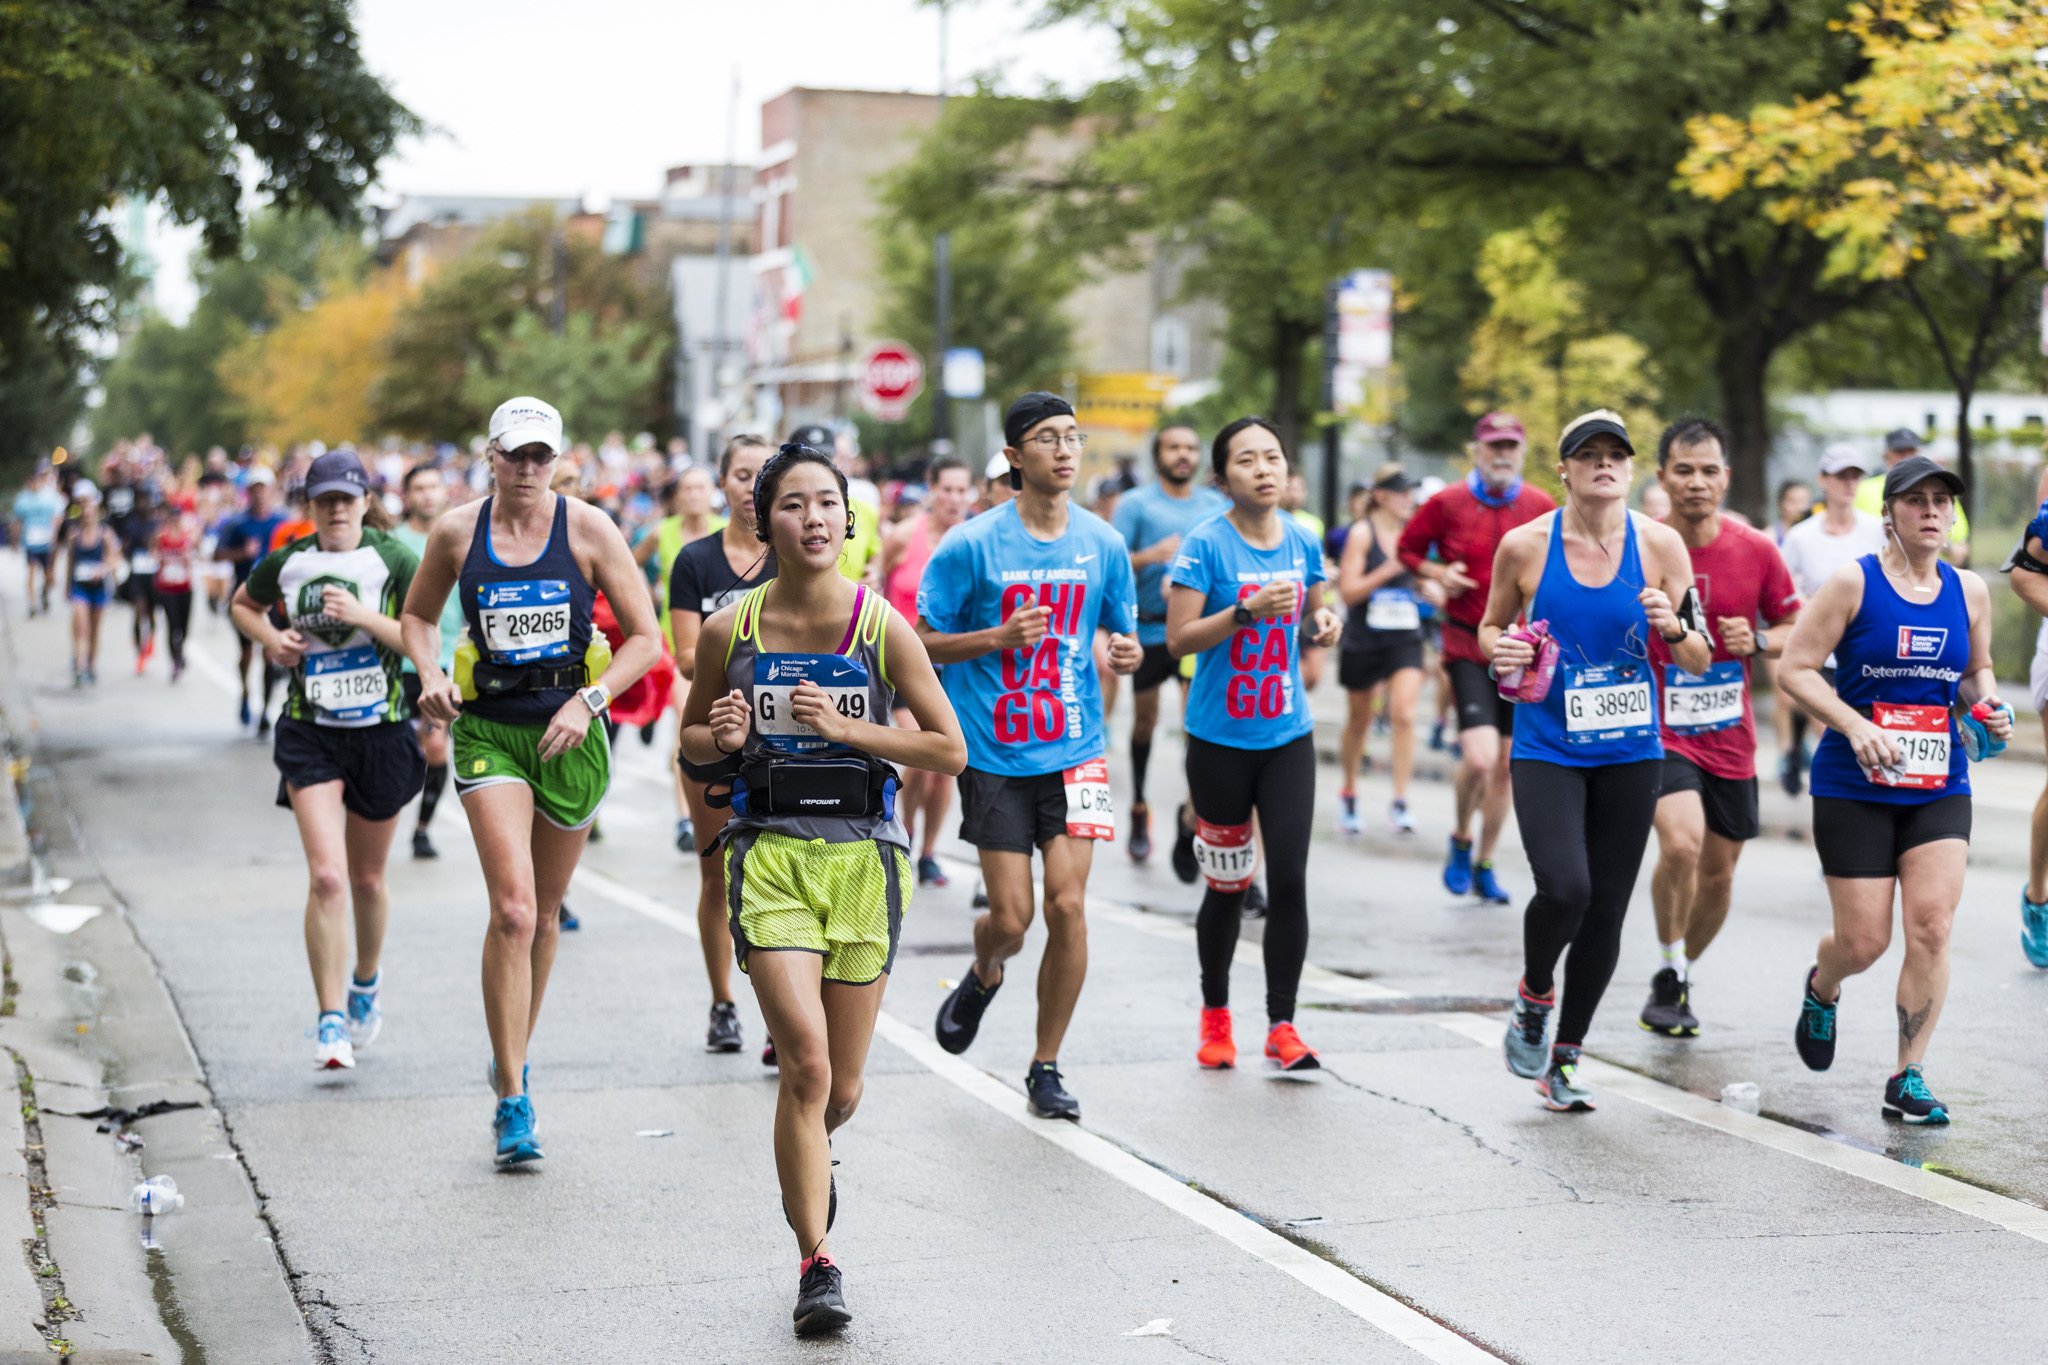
point(1742, 1095)
point(158, 1194)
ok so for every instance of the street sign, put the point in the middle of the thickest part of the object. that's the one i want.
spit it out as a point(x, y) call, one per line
point(1365, 332)
point(963, 375)
point(890, 377)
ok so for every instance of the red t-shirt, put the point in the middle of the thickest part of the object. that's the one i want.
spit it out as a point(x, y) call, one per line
point(1740, 574)
point(1455, 525)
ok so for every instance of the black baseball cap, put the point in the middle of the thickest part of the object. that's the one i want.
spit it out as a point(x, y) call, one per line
point(1584, 429)
point(1902, 438)
point(1915, 470)
point(338, 471)
point(817, 436)
point(1396, 481)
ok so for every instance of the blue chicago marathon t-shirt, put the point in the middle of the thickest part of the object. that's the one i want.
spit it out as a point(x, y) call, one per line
point(1029, 711)
point(1144, 517)
point(1247, 691)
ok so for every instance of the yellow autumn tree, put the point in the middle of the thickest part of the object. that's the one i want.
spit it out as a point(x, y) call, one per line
point(309, 377)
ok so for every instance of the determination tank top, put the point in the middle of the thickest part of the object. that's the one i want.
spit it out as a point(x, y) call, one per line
point(1602, 706)
point(537, 614)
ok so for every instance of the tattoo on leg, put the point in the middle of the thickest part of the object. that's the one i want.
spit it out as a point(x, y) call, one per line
point(1911, 1024)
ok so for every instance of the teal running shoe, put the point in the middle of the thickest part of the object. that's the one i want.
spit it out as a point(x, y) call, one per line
point(2034, 931)
point(1458, 867)
point(1526, 1048)
point(1907, 1099)
point(1560, 1086)
point(365, 1019)
point(1815, 1035)
point(513, 1127)
point(1487, 885)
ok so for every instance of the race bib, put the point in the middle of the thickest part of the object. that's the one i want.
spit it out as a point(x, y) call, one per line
point(1921, 735)
point(1697, 704)
point(1091, 814)
point(142, 561)
point(1227, 854)
point(524, 621)
point(346, 684)
point(35, 537)
point(175, 573)
point(776, 678)
point(1607, 701)
point(89, 570)
point(1392, 609)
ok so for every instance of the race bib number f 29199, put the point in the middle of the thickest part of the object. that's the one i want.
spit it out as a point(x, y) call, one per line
point(525, 621)
point(1091, 813)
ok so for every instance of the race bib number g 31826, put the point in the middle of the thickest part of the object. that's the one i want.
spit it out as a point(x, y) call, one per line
point(346, 685)
point(1091, 813)
point(844, 682)
point(1392, 609)
point(1607, 701)
point(525, 621)
point(1696, 704)
point(1921, 735)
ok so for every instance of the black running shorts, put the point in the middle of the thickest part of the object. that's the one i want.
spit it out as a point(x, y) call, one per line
point(1865, 838)
point(1478, 697)
point(1729, 802)
point(1012, 814)
point(380, 767)
point(1155, 668)
point(1360, 669)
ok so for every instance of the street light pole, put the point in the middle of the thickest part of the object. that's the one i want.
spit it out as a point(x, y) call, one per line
point(942, 292)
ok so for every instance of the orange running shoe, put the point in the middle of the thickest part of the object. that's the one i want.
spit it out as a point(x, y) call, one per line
point(1284, 1046)
point(1219, 1050)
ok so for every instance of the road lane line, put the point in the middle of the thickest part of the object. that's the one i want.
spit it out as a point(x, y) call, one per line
point(212, 669)
point(1418, 1332)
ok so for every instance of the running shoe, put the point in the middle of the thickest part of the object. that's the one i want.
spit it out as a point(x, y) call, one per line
point(262, 726)
point(1487, 885)
point(1436, 737)
point(1687, 1020)
point(596, 832)
point(820, 1301)
point(1218, 1051)
point(2033, 931)
point(1788, 774)
point(1906, 1098)
point(1665, 1010)
point(1184, 865)
point(1398, 817)
point(929, 873)
point(1347, 812)
point(1458, 867)
point(724, 1033)
point(1141, 833)
point(1528, 1027)
point(245, 709)
point(768, 1054)
point(566, 918)
point(1254, 902)
point(960, 1016)
point(686, 836)
point(332, 1050)
point(365, 1020)
point(1045, 1096)
point(512, 1125)
point(1284, 1045)
point(141, 662)
point(979, 900)
point(1815, 1035)
point(422, 846)
point(1560, 1086)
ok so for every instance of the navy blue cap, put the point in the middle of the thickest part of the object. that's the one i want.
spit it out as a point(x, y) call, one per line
point(338, 471)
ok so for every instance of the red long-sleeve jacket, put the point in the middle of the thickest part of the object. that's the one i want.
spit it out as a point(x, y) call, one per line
point(1455, 525)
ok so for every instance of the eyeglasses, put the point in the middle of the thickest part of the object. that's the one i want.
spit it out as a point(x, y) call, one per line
point(1052, 440)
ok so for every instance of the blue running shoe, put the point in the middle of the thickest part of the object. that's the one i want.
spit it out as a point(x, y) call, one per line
point(1526, 1045)
point(1487, 885)
point(513, 1126)
point(1046, 1096)
point(1458, 867)
point(1815, 1036)
point(365, 1020)
point(960, 1016)
point(1906, 1098)
point(2034, 931)
point(245, 711)
point(566, 917)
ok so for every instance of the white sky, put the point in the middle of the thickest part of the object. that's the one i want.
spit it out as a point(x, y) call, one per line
point(597, 99)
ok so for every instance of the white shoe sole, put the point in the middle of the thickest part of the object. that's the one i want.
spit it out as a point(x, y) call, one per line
point(334, 1059)
point(361, 1036)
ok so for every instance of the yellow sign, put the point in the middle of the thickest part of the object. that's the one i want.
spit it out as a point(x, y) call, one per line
point(1127, 401)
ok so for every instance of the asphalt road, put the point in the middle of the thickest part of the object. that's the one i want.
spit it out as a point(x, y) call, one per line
point(1414, 1200)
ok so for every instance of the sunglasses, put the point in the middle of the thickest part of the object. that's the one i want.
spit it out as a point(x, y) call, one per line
point(535, 454)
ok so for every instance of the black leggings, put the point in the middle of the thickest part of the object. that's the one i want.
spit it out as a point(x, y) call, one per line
point(1584, 830)
point(1225, 785)
point(177, 609)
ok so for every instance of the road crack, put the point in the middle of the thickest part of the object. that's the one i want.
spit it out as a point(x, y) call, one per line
point(1471, 1133)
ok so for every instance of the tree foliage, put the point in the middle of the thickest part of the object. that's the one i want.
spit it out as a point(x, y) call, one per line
point(599, 381)
point(309, 377)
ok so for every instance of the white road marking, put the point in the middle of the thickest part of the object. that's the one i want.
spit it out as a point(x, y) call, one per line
point(212, 669)
point(1427, 1337)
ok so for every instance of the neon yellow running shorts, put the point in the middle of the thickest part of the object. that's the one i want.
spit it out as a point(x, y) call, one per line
point(843, 901)
point(567, 789)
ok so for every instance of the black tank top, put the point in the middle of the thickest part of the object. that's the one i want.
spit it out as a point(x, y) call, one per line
point(536, 614)
point(1396, 605)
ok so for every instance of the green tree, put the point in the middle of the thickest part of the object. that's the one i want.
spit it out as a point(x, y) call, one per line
point(599, 381)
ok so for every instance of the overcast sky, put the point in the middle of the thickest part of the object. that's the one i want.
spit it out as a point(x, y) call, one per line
point(597, 99)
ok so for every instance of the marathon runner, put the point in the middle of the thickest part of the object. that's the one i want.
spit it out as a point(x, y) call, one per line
point(2028, 571)
point(528, 564)
point(818, 860)
point(1587, 757)
point(1239, 590)
point(1152, 518)
point(1911, 638)
point(864, 543)
point(710, 574)
point(1451, 540)
point(347, 761)
point(244, 541)
point(176, 546)
point(92, 559)
point(425, 490)
point(906, 548)
point(1814, 550)
point(1707, 807)
point(138, 543)
point(1010, 605)
point(1902, 444)
point(1382, 642)
point(37, 508)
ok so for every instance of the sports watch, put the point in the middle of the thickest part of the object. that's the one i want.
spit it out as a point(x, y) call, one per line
point(597, 697)
point(1242, 615)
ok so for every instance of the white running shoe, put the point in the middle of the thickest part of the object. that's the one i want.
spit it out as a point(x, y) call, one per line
point(365, 1020)
point(1400, 819)
point(332, 1051)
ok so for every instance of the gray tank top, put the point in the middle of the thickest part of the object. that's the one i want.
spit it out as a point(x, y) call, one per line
point(854, 676)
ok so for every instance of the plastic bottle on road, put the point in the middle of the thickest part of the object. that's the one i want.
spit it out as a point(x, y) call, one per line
point(1741, 1095)
point(158, 1194)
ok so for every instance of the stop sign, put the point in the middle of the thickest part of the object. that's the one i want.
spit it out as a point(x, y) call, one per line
point(890, 377)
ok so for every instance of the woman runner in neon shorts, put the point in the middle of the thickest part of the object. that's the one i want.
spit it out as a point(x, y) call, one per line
point(529, 564)
point(817, 859)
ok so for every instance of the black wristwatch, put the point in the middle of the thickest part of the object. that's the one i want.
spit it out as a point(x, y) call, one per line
point(1242, 616)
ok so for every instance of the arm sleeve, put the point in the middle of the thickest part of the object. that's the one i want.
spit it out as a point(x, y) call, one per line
point(1418, 535)
point(1119, 590)
point(262, 584)
point(946, 590)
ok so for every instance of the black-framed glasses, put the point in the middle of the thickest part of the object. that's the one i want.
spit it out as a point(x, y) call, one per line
point(1051, 440)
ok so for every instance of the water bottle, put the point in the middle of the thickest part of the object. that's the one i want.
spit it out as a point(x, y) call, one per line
point(1532, 684)
point(1741, 1095)
point(1975, 732)
point(158, 1194)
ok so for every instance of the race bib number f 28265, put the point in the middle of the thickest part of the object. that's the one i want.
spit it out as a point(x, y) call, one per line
point(525, 621)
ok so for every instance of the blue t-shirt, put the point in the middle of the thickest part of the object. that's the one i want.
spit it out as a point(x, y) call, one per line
point(1247, 691)
point(37, 512)
point(246, 530)
point(1028, 712)
point(1144, 517)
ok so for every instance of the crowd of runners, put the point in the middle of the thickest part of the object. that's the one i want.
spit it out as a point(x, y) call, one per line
point(842, 657)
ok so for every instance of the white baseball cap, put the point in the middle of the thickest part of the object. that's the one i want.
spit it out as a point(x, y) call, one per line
point(85, 490)
point(1840, 456)
point(998, 466)
point(523, 421)
point(258, 473)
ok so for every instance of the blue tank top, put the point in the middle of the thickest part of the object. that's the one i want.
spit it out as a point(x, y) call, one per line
point(537, 614)
point(1905, 653)
point(89, 563)
point(1602, 707)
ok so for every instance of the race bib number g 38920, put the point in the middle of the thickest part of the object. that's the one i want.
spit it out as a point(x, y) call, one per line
point(525, 621)
point(1607, 701)
point(1696, 704)
point(844, 682)
point(346, 685)
point(1091, 813)
point(1921, 735)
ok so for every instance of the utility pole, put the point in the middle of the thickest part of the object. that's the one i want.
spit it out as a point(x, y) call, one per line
point(942, 293)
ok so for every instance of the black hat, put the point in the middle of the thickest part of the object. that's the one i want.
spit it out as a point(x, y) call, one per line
point(1915, 470)
point(1584, 429)
point(338, 471)
point(1396, 481)
point(1028, 411)
point(1902, 438)
point(817, 436)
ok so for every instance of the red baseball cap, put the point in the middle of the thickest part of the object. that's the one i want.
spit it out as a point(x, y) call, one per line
point(1499, 426)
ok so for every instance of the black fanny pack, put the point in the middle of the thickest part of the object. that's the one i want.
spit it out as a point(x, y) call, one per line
point(505, 680)
point(853, 786)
